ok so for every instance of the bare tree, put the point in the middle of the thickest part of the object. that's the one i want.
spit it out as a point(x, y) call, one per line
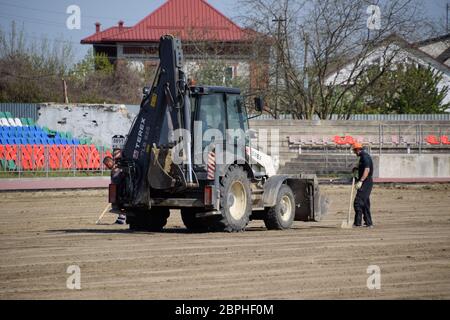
point(322, 48)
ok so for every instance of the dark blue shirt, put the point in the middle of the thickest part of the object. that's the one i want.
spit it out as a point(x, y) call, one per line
point(365, 161)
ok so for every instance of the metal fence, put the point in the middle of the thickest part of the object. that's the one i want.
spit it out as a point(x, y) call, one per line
point(21, 110)
point(370, 117)
point(31, 110)
point(382, 138)
point(52, 160)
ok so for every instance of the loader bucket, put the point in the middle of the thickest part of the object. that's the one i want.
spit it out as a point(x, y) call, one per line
point(321, 205)
point(311, 204)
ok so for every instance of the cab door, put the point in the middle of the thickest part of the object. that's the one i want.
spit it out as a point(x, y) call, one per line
point(237, 126)
point(210, 124)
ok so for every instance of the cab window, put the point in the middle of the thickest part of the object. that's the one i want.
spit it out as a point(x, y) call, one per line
point(212, 112)
point(236, 112)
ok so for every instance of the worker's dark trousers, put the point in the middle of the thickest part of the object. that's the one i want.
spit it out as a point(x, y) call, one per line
point(362, 203)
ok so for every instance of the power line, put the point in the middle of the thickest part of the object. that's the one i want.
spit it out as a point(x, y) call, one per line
point(57, 12)
point(448, 8)
point(31, 20)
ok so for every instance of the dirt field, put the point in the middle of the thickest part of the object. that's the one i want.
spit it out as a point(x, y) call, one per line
point(42, 233)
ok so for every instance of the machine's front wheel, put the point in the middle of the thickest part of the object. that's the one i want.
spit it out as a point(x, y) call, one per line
point(235, 200)
point(153, 220)
point(281, 216)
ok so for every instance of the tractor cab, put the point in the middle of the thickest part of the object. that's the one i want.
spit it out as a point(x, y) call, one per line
point(218, 115)
point(220, 124)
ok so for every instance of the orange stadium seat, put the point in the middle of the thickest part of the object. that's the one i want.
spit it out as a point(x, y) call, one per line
point(66, 156)
point(433, 140)
point(445, 140)
point(343, 140)
point(11, 152)
point(25, 158)
point(38, 156)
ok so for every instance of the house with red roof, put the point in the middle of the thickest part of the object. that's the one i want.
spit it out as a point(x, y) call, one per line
point(204, 31)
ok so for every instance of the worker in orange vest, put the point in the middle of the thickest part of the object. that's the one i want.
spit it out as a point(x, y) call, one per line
point(364, 186)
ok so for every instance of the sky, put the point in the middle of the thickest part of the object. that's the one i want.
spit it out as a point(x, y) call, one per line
point(47, 18)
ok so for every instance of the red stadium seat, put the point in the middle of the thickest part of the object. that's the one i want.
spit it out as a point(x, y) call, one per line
point(11, 152)
point(54, 157)
point(395, 140)
point(433, 140)
point(25, 157)
point(38, 156)
point(343, 140)
point(349, 140)
point(94, 158)
point(339, 140)
point(445, 140)
point(81, 157)
point(67, 157)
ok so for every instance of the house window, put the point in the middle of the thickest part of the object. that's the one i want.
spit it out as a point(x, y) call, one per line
point(228, 73)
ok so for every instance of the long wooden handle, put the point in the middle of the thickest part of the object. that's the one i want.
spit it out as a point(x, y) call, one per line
point(103, 213)
point(351, 198)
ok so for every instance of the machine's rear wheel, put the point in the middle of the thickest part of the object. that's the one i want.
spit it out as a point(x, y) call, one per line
point(235, 201)
point(191, 222)
point(153, 220)
point(281, 216)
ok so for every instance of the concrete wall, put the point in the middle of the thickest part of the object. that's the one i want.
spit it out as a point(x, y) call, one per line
point(99, 122)
point(412, 166)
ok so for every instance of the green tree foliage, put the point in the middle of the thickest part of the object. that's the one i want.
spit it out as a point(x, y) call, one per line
point(407, 89)
point(91, 64)
point(216, 72)
point(33, 72)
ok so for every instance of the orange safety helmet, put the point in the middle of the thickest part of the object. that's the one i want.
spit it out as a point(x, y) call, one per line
point(357, 145)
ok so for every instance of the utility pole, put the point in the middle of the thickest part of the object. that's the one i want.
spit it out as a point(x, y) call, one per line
point(279, 20)
point(305, 69)
point(447, 6)
point(66, 98)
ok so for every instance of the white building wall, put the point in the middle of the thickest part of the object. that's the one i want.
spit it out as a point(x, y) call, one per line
point(343, 77)
point(98, 122)
point(243, 69)
point(435, 49)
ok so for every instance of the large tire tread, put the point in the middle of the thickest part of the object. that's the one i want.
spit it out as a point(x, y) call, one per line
point(225, 222)
point(273, 219)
